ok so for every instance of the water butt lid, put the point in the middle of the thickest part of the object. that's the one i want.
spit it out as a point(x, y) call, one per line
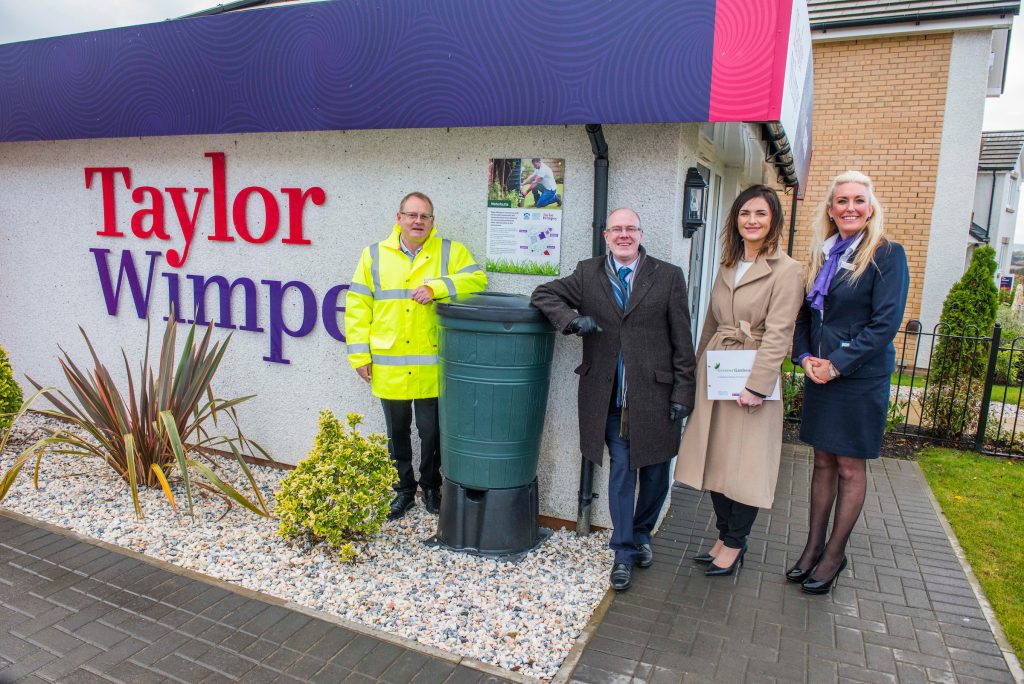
point(500, 307)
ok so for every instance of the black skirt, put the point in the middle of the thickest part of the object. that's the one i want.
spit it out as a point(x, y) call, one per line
point(846, 416)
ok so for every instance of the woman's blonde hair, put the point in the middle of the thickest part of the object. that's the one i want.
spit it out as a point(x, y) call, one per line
point(824, 228)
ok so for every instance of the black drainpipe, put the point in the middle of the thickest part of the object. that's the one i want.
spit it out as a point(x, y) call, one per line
point(991, 201)
point(792, 223)
point(584, 510)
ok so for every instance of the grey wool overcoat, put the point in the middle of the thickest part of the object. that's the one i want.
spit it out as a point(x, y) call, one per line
point(654, 336)
point(728, 448)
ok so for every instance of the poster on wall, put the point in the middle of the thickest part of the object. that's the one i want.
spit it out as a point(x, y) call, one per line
point(524, 215)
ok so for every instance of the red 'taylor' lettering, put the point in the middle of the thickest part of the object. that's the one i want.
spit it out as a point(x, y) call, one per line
point(155, 212)
point(107, 179)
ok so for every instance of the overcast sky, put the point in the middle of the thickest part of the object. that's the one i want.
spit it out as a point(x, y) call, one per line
point(29, 19)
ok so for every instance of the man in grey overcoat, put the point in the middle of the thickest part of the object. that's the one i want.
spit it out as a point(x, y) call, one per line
point(636, 381)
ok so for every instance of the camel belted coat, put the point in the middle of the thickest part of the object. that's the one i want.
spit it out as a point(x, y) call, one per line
point(728, 448)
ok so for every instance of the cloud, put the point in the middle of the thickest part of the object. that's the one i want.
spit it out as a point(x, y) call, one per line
point(46, 18)
point(1004, 112)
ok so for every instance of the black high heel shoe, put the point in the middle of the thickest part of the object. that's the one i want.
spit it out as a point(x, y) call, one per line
point(813, 586)
point(716, 571)
point(797, 576)
point(704, 558)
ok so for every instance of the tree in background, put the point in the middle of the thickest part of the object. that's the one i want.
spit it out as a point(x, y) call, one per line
point(958, 365)
point(969, 309)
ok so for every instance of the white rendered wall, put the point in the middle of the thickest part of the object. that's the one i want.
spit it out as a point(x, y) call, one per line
point(1001, 227)
point(1002, 202)
point(957, 170)
point(983, 194)
point(1004, 215)
point(49, 283)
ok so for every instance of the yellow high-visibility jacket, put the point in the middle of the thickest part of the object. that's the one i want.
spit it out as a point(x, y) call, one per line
point(385, 327)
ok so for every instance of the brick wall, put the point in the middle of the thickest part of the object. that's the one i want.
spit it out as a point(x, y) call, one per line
point(878, 108)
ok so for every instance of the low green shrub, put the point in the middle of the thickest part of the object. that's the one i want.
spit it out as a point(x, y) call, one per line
point(1002, 436)
point(792, 394)
point(10, 392)
point(951, 411)
point(1010, 363)
point(897, 415)
point(341, 491)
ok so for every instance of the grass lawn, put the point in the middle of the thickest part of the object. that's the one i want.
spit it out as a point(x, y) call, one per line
point(983, 499)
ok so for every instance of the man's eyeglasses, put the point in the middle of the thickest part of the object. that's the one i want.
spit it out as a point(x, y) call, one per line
point(619, 230)
point(412, 216)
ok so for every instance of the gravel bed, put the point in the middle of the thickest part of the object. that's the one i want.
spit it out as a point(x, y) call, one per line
point(524, 617)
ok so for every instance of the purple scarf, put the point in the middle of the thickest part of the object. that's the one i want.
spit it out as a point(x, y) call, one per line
point(828, 271)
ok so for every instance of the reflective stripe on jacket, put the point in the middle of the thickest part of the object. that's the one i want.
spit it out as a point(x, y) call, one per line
point(385, 327)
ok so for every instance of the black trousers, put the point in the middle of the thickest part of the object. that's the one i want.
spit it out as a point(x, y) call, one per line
point(398, 417)
point(733, 520)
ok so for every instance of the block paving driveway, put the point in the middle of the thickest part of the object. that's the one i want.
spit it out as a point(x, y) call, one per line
point(904, 611)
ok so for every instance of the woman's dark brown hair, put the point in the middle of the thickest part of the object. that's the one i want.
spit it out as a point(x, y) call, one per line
point(732, 242)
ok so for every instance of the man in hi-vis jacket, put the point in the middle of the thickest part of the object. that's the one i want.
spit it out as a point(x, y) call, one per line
point(391, 331)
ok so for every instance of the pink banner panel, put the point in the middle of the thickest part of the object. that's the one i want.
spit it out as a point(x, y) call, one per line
point(749, 59)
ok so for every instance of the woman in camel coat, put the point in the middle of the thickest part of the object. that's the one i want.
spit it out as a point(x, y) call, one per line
point(731, 448)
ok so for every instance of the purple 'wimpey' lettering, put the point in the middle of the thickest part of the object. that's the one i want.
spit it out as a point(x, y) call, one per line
point(331, 309)
point(111, 294)
point(225, 290)
point(174, 298)
point(277, 293)
point(277, 323)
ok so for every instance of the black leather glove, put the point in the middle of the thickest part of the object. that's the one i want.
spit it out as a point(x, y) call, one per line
point(582, 325)
point(677, 411)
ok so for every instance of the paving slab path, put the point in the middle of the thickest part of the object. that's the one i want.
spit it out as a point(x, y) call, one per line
point(905, 610)
point(76, 611)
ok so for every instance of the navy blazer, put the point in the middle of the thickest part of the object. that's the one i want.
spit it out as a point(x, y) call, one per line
point(860, 320)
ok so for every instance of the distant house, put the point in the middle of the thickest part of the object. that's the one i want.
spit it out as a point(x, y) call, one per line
point(997, 195)
point(899, 93)
point(1017, 260)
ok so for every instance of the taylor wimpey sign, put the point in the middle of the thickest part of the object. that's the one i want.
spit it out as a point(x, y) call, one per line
point(169, 213)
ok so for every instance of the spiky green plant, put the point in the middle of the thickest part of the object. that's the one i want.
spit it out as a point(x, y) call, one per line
point(142, 433)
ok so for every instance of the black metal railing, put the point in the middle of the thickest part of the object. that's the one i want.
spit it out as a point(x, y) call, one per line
point(961, 389)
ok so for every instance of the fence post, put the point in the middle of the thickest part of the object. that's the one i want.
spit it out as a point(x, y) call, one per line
point(986, 393)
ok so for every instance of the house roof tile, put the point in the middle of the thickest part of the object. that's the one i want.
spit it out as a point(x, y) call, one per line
point(836, 13)
point(1000, 150)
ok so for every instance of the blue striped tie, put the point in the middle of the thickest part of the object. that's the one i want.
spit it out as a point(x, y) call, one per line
point(623, 299)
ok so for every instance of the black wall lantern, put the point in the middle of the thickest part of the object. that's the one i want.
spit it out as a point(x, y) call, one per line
point(695, 196)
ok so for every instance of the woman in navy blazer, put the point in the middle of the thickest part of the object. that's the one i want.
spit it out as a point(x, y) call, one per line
point(857, 290)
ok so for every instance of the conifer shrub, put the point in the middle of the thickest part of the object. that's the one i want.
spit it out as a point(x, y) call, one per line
point(969, 309)
point(957, 369)
point(10, 392)
point(340, 493)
